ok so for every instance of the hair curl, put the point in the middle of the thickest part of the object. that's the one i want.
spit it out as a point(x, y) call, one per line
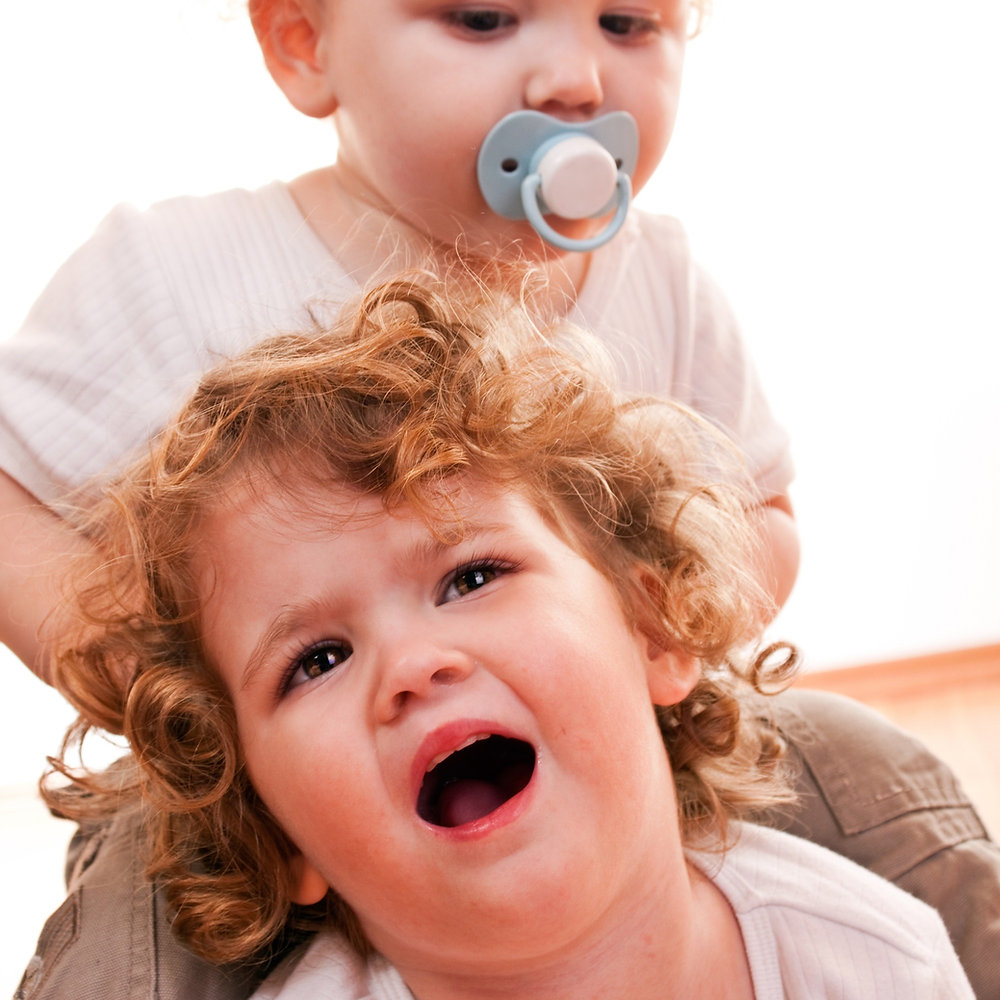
point(416, 386)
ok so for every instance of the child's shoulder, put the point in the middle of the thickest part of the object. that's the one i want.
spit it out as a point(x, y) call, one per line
point(812, 912)
point(654, 233)
point(770, 868)
point(132, 318)
point(196, 253)
point(223, 267)
point(649, 260)
point(237, 214)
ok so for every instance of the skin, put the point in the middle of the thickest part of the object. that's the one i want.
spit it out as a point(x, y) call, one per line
point(780, 548)
point(35, 546)
point(357, 650)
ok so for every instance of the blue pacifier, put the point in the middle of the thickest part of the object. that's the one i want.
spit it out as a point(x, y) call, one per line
point(532, 164)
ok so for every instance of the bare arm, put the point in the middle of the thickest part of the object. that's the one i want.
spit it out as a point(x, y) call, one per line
point(780, 544)
point(34, 544)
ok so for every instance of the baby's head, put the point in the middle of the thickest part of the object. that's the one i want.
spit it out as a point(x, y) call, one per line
point(415, 88)
point(398, 600)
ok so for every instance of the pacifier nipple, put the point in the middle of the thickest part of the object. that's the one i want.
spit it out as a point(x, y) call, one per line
point(532, 165)
point(578, 177)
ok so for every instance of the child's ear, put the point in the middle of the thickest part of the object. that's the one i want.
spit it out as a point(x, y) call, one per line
point(290, 34)
point(671, 674)
point(308, 885)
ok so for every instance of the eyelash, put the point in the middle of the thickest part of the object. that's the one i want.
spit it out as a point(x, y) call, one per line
point(635, 25)
point(467, 19)
point(484, 564)
point(471, 20)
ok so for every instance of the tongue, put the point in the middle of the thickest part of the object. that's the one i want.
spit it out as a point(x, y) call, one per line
point(467, 800)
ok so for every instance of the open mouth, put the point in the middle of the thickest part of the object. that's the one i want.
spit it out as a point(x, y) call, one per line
point(475, 780)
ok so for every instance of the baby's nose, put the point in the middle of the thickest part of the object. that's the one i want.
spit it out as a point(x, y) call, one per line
point(567, 81)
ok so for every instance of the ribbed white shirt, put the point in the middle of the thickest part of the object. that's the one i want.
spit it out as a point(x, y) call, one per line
point(134, 317)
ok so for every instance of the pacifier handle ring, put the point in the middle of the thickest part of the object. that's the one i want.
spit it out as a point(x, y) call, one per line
point(530, 188)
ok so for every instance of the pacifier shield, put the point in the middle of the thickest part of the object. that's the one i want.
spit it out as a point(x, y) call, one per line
point(532, 164)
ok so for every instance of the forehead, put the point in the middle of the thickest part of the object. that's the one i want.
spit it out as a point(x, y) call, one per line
point(292, 504)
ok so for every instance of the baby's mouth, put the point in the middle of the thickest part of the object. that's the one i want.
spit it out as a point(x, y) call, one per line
point(475, 780)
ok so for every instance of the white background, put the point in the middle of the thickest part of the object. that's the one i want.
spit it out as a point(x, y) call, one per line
point(836, 165)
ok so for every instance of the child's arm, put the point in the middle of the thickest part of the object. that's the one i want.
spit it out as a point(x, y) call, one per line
point(34, 544)
point(780, 545)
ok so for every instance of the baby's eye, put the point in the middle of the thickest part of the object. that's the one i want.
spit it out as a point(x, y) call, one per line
point(479, 21)
point(317, 661)
point(628, 26)
point(470, 578)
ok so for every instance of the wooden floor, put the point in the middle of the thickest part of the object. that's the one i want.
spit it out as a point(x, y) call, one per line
point(950, 701)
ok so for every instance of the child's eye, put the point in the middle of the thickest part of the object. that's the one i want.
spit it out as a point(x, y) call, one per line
point(628, 26)
point(472, 577)
point(317, 661)
point(479, 21)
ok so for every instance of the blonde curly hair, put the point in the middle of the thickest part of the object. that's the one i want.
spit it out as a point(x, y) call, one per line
point(416, 386)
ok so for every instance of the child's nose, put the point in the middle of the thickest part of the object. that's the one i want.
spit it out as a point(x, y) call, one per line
point(416, 668)
point(566, 81)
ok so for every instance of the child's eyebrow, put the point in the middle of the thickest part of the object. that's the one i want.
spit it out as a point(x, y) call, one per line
point(467, 530)
point(288, 621)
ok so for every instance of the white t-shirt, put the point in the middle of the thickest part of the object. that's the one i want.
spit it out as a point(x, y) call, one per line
point(815, 927)
point(127, 326)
